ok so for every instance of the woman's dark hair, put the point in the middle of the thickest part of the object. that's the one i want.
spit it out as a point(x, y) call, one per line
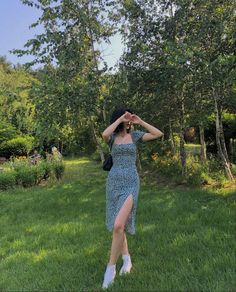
point(117, 113)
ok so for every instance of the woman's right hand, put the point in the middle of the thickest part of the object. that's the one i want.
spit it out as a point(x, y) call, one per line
point(126, 117)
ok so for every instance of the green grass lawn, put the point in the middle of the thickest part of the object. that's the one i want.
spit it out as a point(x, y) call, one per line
point(53, 237)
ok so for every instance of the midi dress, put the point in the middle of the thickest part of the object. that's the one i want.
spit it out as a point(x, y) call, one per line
point(122, 181)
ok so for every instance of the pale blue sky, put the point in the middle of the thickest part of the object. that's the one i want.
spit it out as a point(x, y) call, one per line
point(15, 19)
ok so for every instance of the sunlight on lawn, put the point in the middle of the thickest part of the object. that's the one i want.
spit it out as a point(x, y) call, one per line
point(67, 186)
point(91, 249)
point(77, 161)
point(148, 227)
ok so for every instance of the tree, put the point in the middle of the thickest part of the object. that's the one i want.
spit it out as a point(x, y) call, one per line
point(71, 83)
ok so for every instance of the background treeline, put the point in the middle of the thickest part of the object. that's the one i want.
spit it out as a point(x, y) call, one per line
point(177, 72)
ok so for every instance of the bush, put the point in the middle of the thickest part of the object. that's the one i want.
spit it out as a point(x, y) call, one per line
point(234, 169)
point(168, 165)
point(7, 131)
point(7, 179)
point(161, 148)
point(21, 172)
point(17, 146)
point(47, 168)
point(58, 169)
point(30, 175)
point(26, 176)
point(38, 172)
point(96, 156)
point(197, 172)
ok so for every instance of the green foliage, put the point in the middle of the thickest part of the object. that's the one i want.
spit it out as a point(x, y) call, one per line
point(16, 108)
point(58, 169)
point(26, 173)
point(169, 74)
point(7, 131)
point(46, 168)
point(7, 179)
point(26, 176)
point(146, 150)
point(66, 96)
point(197, 172)
point(193, 149)
point(95, 156)
point(168, 165)
point(17, 146)
point(234, 169)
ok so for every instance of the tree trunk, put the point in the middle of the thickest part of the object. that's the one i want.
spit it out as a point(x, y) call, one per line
point(182, 128)
point(220, 153)
point(171, 137)
point(203, 144)
point(62, 146)
point(182, 152)
point(97, 80)
point(222, 138)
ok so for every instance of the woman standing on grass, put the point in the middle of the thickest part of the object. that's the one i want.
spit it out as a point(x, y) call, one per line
point(122, 185)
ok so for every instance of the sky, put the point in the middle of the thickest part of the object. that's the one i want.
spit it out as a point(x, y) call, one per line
point(15, 19)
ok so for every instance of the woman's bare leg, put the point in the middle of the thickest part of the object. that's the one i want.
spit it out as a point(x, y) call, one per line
point(124, 249)
point(118, 230)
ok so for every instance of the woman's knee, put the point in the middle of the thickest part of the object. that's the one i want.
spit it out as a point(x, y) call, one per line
point(118, 227)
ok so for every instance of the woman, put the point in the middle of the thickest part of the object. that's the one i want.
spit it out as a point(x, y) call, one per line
point(122, 185)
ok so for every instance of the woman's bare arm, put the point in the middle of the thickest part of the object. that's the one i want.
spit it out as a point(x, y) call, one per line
point(154, 133)
point(111, 128)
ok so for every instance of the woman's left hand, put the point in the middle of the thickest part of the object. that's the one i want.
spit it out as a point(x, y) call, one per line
point(135, 119)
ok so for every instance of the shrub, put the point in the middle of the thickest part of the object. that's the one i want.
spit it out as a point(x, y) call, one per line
point(219, 177)
point(234, 169)
point(196, 171)
point(58, 169)
point(38, 171)
point(7, 179)
point(7, 131)
point(17, 146)
point(21, 172)
point(96, 156)
point(159, 147)
point(47, 168)
point(168, 165)
point(25, 176)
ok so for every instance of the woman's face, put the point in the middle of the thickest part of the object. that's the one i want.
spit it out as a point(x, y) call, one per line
point(128, 125)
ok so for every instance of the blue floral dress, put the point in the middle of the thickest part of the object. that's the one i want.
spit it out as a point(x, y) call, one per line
point(122, 181)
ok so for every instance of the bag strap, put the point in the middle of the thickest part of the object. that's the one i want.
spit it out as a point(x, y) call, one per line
point(111, 141)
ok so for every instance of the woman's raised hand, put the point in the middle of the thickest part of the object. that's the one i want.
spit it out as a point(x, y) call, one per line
point(135, 119)
point(126, 117)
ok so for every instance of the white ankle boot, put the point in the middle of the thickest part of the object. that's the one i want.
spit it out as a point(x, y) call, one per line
point(127, 265)
point(109, 276)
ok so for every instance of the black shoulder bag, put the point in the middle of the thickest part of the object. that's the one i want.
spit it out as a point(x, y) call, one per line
point(107, 164)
